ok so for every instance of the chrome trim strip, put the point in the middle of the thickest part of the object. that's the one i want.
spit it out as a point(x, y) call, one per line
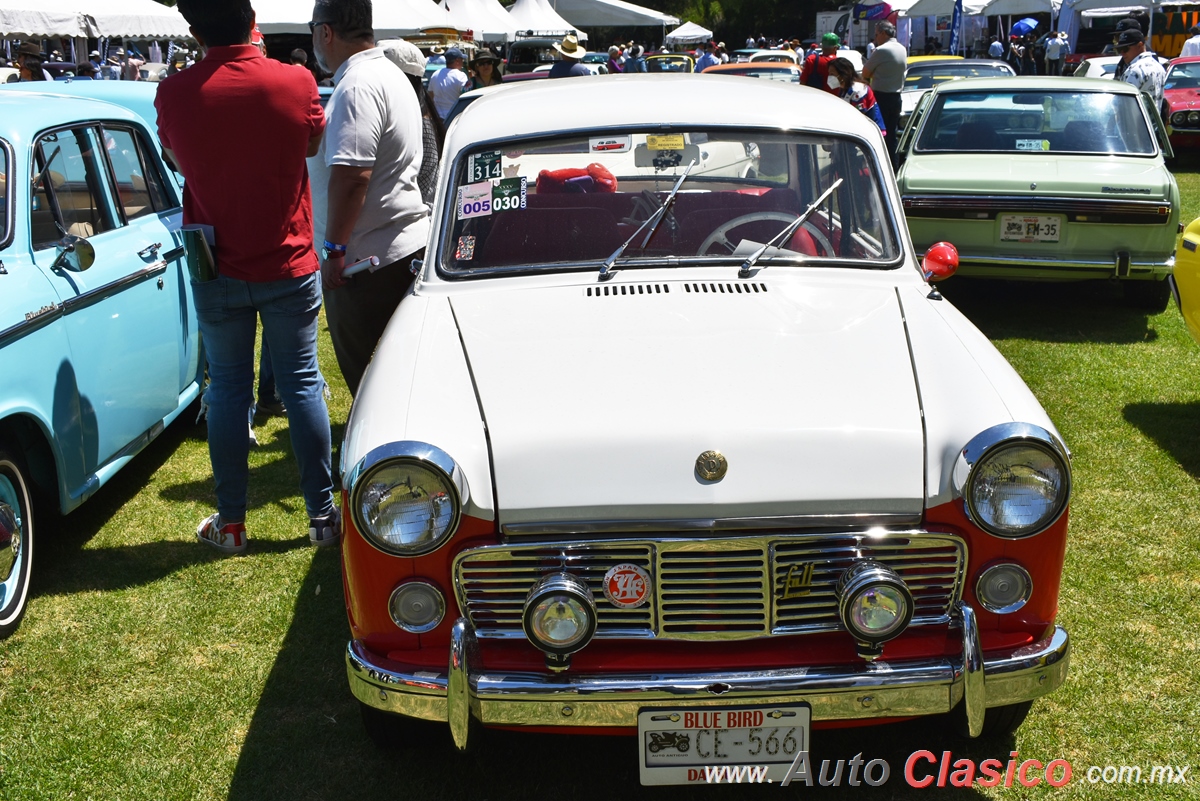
point(1060, 205)
point(1050, 263)
point(175, 253)
point(567, 527)
point(985, 442)
point(30, 324)
point(10, 229)
point(105, 291)
point(854, 691)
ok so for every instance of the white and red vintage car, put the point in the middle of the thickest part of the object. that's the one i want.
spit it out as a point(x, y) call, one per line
point(674, 437)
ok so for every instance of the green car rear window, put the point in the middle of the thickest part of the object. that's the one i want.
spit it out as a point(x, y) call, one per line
point(1037, 122)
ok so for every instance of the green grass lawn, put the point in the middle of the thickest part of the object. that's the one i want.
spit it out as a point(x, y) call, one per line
point(150, 668)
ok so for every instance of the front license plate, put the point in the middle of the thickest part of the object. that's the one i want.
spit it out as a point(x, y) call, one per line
point(1030, 228)
point(719, 745)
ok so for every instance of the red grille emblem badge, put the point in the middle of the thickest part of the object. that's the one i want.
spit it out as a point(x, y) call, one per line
point(627, 586)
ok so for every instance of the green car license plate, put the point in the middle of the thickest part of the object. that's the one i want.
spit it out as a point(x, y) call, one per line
point(1030, 228)
point(713, 745)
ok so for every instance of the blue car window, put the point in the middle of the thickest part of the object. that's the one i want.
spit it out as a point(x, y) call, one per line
point(68, 194)
point(141, 188)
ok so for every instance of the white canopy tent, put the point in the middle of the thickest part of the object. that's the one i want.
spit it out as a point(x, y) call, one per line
point(487, 19)
point(614, 13)
point(944, 8)
point(538, 16)
point(688, 33)
point(391, 19)
point(91, 18)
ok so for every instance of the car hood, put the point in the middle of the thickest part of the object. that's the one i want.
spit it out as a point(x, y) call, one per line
point(598, 405)
point(1038, 175)
point(1179, 99)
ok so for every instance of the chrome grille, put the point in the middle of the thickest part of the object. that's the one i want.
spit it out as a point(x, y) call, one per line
point(722, 588)
point(931, 566)
point(492, 584)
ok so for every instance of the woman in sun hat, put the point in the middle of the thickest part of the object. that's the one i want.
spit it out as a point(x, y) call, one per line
point(485, 70)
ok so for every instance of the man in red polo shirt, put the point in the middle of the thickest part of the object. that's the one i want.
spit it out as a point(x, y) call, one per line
point(239, 126)
point(815, 72)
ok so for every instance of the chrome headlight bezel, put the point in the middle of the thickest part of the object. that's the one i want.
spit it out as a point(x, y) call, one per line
point(423, 455)
point(993, 440)
point(869, 575)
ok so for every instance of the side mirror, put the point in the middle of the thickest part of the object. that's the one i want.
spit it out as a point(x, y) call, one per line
point(940, 262)
point(75, 254)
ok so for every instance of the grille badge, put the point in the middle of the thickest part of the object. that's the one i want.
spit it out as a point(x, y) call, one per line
point(627, 586)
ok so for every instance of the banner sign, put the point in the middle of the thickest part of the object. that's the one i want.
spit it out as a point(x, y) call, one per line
point(872, 12)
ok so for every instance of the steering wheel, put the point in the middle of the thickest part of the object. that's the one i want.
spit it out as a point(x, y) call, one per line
point(720, 235)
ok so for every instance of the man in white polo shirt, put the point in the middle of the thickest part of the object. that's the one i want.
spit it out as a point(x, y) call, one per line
point(367, 165)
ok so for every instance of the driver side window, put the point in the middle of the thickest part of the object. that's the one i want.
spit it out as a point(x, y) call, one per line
point(68, 197)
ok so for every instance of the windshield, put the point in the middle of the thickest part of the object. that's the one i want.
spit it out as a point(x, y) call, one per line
point(569, 203)
point(765, 70)
point(1184, 76)
point(927, 76)
point(1037, 122)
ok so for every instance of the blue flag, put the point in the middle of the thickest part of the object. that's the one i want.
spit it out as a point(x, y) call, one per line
point(956, 26)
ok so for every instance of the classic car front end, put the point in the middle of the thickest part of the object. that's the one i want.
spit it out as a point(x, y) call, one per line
point(1181, 102)
point(1039, 178)
point(656, 452)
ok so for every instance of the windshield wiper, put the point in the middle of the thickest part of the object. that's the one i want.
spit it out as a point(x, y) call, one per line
point(652, 222)
point(748, 264)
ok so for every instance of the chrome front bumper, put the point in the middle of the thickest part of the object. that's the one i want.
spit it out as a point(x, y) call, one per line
point(880, 689)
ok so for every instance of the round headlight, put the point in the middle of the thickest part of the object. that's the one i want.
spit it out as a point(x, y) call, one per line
point(874, 602)
point(405, 506)
point(1003, 588)
point(1193, 118)
point(1179, 118)
point(560, 614)
point(417, 606)
point(1014, 479)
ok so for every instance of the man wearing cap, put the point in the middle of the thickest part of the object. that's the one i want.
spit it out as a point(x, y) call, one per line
point(449, 82)
point(96, 61)
point(1141, 66)
point(885, 71)
point(367, 166)
point(815, 72)
point(572, 53)
point(1192, 46)
point(707, 59)
point(411, 61)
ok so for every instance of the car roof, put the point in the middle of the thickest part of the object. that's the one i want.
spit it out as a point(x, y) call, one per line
point(1184, 60)
point(27, 111)
point(919, 59)
point(517, 110)
point(1040, 83)
point(758, 66)
point(935, 63)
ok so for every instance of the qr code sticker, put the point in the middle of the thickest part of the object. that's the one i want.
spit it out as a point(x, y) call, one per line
point(466, 248)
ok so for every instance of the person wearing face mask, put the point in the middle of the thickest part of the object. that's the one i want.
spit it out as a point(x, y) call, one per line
point(815, 71)
point(844, 82)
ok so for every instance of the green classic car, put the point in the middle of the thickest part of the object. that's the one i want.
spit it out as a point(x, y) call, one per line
point(1043, 178)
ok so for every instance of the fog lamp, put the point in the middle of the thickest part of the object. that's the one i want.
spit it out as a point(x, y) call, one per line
point(875, 605)
point(559, 617)
point(417, 606)
point(1003, 588)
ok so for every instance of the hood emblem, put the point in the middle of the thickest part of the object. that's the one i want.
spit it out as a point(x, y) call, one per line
point(797, 583)
point(711, 466)
point(626, 586)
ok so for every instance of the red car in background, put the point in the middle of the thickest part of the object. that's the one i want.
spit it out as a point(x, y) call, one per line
point(1181, 102)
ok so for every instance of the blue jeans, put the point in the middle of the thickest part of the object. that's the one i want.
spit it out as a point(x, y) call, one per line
point(227, 310)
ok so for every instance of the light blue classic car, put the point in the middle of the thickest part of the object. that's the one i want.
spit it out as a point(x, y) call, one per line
point(98, 342)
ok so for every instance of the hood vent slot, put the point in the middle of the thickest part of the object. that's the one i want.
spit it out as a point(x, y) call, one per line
point(628, 289)
point(692, 288)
